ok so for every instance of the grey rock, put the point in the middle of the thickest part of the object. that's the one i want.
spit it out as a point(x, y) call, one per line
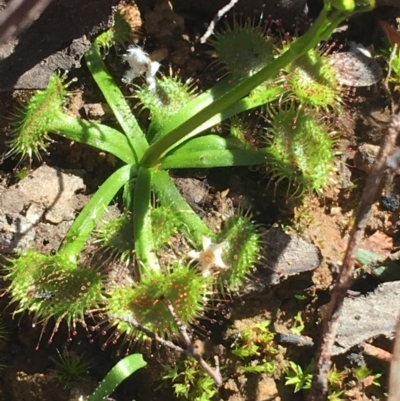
point(368, 316)
point(46, 196)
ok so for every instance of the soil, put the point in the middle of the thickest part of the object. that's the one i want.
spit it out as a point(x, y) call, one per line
point(305, 238)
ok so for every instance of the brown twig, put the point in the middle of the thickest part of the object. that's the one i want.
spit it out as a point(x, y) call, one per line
point(319, 387)
point(220, 14)
point(376, 352)
point(214, 373)
point(19, 15)
point(394, 382)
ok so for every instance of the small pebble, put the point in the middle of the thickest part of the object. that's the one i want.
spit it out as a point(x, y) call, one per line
point(390, 203)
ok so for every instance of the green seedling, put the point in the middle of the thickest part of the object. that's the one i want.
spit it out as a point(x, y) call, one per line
point(259, 367)
point(253, 341)
point(297, 377)
point(335, 395)
point(189, 381)
point(301, 379)
point(336, 377)
point(336, 380)
point(256, 347)
point(298, 326)
point(21, 173)
point(363, 372)
point(71, 368)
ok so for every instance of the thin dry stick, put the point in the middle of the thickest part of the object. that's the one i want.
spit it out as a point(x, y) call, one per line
point(375, 352)
point(319, 387)
point(214, 373)
point(394, 378)
point(213, 23)
point(18, 15)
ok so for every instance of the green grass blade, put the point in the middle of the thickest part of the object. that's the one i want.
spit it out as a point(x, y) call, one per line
point(121, 371)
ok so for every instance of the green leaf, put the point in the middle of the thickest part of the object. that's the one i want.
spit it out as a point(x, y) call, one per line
point(143, 233)
point(99, 136)
point(116, 101)
point(92, 212)
point(170, 197)
point(214, 158)
point(121, 371)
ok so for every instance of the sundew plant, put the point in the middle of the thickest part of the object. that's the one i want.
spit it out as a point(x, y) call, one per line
point(151, 293)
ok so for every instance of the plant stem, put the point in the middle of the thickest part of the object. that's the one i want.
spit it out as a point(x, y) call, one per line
point(143, 232)
point(245, 104)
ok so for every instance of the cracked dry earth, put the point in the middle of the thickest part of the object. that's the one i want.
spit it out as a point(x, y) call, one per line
point(304, 240)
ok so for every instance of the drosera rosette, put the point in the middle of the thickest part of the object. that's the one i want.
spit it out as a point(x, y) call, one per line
point(300, 150)
point(125, 28)
point(243, 50)
point(53, 287)
point(45, 113)
point(114, 241)
point(165, 225)
point(240, 129)
point(144, 302)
